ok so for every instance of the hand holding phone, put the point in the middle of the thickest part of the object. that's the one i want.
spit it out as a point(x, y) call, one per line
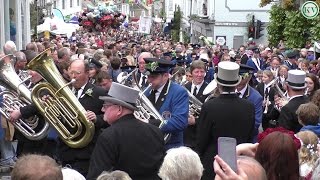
point(227, 151)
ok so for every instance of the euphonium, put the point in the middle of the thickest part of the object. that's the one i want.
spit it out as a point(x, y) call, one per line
point(62, 109)
point(17, 95)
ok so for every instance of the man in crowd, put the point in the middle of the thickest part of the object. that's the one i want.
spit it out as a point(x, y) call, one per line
point(245, 91)
point(196, 87)
point(236, 122)
point(142, 77)
point(170, 99)
point(295, 84)
point(128, 144)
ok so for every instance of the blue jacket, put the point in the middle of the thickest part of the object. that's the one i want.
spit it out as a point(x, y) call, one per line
point(315, 129)
point(253, 65)
point(256, 99)
point(175, 110)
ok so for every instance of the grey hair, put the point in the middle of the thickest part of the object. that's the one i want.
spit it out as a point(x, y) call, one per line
point(9, 47)
point(181, 164)
point(114, 175)
point(145, 55)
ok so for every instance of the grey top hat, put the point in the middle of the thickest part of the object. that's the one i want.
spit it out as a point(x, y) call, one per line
point(228, 74)
point(296, 79)
point(122, 95)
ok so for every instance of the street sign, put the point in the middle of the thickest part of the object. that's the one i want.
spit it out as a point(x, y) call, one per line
point(221, 40)
point(310, 9)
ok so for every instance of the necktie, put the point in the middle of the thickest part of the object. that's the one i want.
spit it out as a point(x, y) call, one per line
point(266, 92)
point(152, 96)
point(76, 90)
point(195, 91)
point(143, 83)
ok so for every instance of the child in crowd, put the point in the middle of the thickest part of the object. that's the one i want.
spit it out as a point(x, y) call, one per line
point(308, 117)
point(308, 153)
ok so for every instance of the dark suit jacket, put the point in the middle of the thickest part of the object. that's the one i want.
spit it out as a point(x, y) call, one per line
point(260, 89)
point(189, 136)
point(79, 158)
point(288, 117)
point(228, 116)
point(129, 145)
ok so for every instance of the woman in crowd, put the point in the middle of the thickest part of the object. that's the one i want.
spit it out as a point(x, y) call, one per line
point(278, 155)
point(312, 84)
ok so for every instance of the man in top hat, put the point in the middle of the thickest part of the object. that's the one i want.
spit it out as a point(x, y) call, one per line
point(295, 84)
point(129, 144)
point(292, 60)
point(245, 91)
point(170, 99)
point(237, 122)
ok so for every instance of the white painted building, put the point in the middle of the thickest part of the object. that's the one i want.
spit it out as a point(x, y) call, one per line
point(67, 7)
point(19, 19)
point(226, 19)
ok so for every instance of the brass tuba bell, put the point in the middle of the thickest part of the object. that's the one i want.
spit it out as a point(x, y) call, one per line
point(17, 95)
point(62, 109)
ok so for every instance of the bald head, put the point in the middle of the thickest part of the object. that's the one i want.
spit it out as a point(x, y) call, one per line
point(141, 61)
point(9, 47)
point(252, 168)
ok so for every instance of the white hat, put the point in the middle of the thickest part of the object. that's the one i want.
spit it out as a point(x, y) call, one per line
point(311, 49)
point(228, 74)
point(232, 54)
point(296, 79)
point(122, 95)
point(71, 174)
point(267, 49)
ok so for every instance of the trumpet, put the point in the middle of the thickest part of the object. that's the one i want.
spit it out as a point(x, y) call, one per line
point(283, 98)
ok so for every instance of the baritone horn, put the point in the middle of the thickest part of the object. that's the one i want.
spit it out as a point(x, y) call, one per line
point(17, 95)
point(61, 109)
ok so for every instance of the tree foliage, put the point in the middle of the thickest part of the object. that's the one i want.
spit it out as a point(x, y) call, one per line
point(176, 24)
point(288, 24)
point(296, 29)
point(276, 25)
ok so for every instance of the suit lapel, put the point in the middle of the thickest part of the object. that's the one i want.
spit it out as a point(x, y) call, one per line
point(162, 96)
point(246, 93)
point(83, 95)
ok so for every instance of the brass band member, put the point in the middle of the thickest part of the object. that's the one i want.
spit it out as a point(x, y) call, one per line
point(169, 98)
point(196, 87)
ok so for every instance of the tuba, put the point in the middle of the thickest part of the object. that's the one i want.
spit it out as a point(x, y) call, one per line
point(61, 109)
point(17, 95)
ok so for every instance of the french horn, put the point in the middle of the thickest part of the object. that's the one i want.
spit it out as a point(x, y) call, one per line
point(17, 95)
point(61, 109)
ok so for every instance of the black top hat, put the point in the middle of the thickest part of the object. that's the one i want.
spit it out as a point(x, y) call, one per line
point(155, 65)
point(245, 69)
point(94, 63)
point(167, 54)
point(292, 54)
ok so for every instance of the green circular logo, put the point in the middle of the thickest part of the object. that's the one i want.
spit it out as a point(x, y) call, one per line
point(310, 9)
